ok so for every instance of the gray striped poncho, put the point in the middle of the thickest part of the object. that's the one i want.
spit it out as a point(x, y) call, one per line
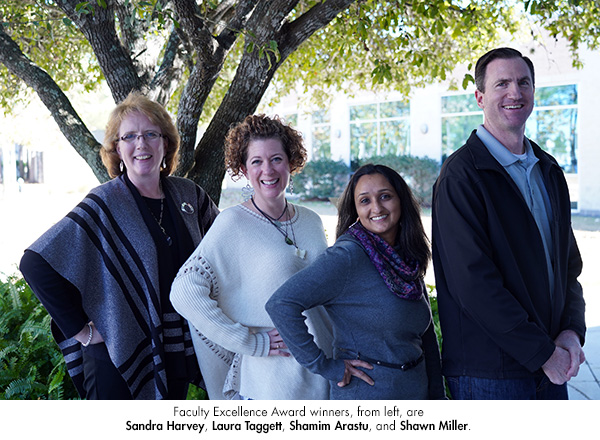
point(104, 248)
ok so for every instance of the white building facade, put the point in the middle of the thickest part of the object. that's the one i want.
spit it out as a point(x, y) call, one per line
point(433, 122)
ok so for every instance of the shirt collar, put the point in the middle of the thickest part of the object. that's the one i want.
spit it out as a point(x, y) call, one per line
point(499, 151)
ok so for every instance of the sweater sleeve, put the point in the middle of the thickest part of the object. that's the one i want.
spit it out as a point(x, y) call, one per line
point(191, 297)
point(313, 286)
point(59, 297)
point(574, 312)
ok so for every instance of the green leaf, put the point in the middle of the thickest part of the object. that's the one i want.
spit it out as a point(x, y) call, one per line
point(468, 79)
point(82, 6)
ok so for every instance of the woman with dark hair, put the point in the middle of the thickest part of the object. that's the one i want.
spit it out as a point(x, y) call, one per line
point(371, 285)
point(251, 249)
point(104, 272)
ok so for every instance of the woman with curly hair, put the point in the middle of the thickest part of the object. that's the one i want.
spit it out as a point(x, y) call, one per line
point(251, 250)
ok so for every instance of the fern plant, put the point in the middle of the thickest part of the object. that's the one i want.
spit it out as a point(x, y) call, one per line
point(31, 365)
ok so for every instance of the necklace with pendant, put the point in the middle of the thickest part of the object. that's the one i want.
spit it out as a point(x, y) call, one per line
point(159, 221)
point(300, 253)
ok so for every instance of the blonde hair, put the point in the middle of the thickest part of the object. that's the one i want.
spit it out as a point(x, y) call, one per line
point(156, 113)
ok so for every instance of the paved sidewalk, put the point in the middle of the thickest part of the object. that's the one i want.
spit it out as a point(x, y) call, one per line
point(586, 386)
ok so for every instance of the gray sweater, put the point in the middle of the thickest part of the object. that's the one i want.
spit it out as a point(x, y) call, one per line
point(368, 319)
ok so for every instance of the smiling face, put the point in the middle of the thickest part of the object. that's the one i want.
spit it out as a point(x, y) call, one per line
point(141, 157)
point(378, 206)
point(267, 168)
point(508, 98)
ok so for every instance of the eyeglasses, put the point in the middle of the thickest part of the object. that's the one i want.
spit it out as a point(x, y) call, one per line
point(148, 136)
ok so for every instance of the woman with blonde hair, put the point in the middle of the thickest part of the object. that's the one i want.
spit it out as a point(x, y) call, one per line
point(104, 271)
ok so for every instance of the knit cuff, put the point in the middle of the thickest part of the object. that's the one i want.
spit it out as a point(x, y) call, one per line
point(262, 344)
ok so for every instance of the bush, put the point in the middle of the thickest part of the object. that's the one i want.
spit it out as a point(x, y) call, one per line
point(31, 364)
point(419, 173)
point(321, 179)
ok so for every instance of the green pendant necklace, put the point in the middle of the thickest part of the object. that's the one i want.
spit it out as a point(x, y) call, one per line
point(301, 253)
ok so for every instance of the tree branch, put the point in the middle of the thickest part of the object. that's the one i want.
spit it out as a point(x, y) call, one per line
point(294, 33)
point(211, 55)
point(169, 75)
point(114, 60)
point(56, 101)
point(236, 24)
point(133, 31)
point(252, 78)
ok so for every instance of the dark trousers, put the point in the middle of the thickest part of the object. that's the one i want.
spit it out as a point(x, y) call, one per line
point(102, 379)
point(104, 382)
point(536, 387)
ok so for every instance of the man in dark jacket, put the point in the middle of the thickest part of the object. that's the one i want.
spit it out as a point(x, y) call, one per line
point(505, 257)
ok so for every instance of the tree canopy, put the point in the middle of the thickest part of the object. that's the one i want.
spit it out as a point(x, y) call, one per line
point(211, 62)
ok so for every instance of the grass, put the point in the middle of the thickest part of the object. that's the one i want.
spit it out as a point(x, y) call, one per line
point(585, 223)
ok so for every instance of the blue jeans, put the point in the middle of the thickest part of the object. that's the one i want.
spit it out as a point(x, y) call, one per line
point(536, 387)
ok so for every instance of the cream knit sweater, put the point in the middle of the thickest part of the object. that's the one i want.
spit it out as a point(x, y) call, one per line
point(222, 290)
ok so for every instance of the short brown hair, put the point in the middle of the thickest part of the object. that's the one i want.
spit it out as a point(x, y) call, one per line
point(505, 53)
point(262, 127)
point(137, 102)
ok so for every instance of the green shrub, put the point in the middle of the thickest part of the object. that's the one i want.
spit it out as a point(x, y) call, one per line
point(435, 315)
point(419, 173)
point(321, 179)
point(31, 364)
point(196, 393)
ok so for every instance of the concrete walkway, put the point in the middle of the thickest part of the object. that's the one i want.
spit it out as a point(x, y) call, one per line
point(586, 386)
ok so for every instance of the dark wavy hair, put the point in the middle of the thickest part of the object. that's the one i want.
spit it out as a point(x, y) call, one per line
point(411, 239)
point(262, 127)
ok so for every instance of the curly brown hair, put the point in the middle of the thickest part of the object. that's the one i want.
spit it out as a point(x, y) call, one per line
point(136, 102)
point(262, 127)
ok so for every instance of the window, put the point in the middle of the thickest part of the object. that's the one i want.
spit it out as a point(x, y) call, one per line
point(321, 135)
point(379, 129)
point(460, 116)
point(553, 124)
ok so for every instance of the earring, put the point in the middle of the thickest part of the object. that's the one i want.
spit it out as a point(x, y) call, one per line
point(121, 166)
point(164, 162)
point(291, 186)
point(247, 192)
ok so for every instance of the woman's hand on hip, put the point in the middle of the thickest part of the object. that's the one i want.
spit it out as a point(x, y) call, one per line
point(351, 370)
point(276, 344)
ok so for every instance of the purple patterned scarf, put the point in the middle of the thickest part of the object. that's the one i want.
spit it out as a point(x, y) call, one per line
point(401, 277)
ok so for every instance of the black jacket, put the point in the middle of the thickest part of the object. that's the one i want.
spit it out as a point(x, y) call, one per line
point(492, 282)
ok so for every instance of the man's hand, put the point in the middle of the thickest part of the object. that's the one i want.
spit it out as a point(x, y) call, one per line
point(557, 366)
point(569, 340)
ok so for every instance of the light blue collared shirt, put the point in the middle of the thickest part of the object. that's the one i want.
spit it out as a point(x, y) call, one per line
point(528, 178)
